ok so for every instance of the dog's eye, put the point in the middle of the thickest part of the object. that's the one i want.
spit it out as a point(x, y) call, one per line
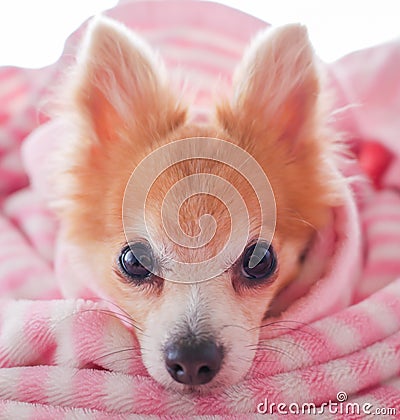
point(259, 261)
point(136, 261)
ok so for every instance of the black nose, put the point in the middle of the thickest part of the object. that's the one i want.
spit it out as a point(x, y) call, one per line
point(193, 364)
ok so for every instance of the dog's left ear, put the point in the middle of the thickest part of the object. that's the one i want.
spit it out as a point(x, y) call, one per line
point(120, 84)
point(276, 86)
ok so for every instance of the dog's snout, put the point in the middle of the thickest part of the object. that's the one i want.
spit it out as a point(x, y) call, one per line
point(193, 364)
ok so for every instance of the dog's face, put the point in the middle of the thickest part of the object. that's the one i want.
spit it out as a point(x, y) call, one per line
point(193, 329)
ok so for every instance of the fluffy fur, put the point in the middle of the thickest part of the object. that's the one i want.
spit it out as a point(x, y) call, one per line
point(121, 108)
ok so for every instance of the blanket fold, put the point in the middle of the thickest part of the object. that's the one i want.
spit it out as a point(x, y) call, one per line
point(73, 354)
point(79, 358)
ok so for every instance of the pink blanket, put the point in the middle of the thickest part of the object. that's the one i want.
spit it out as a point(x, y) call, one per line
point(340, 342)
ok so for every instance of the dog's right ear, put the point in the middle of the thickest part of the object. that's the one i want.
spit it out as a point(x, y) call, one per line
point(120, 85)
point(277, 87)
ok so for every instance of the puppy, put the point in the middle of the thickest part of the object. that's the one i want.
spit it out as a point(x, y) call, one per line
point(197, 316)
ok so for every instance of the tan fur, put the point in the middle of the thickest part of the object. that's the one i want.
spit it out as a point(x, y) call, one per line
point(122, 110)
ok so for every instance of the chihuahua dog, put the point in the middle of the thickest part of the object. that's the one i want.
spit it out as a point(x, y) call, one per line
point(195, 331)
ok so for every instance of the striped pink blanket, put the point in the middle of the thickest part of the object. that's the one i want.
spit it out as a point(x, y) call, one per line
point(338, 344)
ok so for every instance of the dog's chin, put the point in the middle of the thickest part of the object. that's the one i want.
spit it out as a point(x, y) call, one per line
point(208, 388)
point(205, 389)
point(222, 380)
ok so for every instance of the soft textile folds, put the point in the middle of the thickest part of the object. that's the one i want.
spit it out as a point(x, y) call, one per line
point(74, 358)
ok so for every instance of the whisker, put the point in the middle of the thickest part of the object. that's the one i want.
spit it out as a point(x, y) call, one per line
point(115, 315)
point(282, 324)
point(273, 323)
point(234, 326)
point(344, 108)
point(275, 350)
point(121, 317)
point(297, 216)
point(112, 353)
point(279, 340)
point(132, 357)
point(124, 359)
point(303, 329)
point(124, 312)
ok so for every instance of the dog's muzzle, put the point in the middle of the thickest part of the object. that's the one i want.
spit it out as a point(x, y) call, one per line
point(193, 363)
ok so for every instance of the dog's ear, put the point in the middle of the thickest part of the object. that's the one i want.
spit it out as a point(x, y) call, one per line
point(276, 85)
point(120, 84)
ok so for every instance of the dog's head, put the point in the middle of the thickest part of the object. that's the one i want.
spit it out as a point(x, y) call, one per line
point(197, 316)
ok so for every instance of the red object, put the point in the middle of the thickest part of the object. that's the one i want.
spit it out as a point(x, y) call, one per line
point(374, 160)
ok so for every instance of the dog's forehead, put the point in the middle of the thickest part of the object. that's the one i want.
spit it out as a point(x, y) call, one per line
point(194, 210)
point(194, 201)
point(188, 190)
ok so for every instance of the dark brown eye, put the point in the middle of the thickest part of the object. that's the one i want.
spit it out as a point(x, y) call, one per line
point(259, 261)
point(136, 261)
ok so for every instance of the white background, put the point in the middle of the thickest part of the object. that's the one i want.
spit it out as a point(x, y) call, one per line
point(32, 32)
